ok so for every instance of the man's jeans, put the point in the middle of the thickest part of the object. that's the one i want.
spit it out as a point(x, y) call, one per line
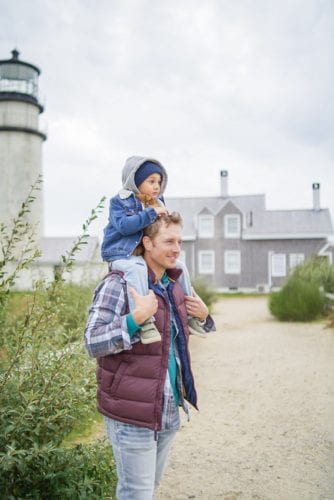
point(140, 459)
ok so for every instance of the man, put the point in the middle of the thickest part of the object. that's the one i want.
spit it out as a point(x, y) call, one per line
point(140, 387)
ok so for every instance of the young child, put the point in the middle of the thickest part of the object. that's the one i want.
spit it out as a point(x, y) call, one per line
point(136, 206)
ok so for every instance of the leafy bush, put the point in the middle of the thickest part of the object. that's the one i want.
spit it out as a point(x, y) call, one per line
point(318, 271)
point(47, 382)
point(71, 306)
point(49, 472)
point(303, 297)
point(76, 300)
point(207, 294)
point(298, 300)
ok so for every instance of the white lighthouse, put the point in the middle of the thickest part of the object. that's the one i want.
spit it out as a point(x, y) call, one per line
point(21, 143)
point(20, 139)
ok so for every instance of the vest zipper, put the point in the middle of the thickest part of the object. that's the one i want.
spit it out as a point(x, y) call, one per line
point(157, 425)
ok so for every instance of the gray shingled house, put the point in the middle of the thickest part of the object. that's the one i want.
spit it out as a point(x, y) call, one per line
point(236, 244)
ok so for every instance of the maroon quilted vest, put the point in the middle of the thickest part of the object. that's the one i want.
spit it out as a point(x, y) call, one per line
point(131, 383)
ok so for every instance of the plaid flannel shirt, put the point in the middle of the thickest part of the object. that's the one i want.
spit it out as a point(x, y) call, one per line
point(107, 333)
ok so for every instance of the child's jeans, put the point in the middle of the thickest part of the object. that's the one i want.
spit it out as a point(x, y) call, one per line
point(135, 274)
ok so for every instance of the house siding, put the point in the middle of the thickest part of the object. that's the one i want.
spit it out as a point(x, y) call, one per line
point(254, 256)
point(263, 234)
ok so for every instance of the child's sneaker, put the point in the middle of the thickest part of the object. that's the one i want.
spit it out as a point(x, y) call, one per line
point(149, 332)
point(196, 327)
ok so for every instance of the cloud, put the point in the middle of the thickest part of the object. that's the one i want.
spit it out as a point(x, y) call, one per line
point(244, 86)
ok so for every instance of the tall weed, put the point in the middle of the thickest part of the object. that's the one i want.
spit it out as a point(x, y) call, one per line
point(47, 382)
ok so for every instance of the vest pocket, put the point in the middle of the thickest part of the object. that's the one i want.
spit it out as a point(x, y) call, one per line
point(117, 379)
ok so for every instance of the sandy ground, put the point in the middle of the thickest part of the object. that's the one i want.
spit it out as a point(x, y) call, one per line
point(265, 429)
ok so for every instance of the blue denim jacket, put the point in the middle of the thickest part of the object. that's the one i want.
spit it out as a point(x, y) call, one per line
point(127, 219)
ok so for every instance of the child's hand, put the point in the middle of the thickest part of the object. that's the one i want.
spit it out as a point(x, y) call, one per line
point(160, 211)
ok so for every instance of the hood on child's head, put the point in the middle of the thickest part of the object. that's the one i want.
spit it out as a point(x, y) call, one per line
point(130, 168)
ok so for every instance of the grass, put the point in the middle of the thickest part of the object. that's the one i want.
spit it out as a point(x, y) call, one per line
point(17, 303)
point(232, 295)
point(88, 432)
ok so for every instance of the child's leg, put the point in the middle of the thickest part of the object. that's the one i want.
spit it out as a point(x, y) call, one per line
point(184, 279)
point(185, 282)
point(135, 275)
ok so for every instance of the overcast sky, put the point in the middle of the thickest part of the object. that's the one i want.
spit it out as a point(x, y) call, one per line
point(240, 85)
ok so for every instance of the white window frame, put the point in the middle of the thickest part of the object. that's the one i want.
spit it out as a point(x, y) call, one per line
point(234, 268)
point(278, 265)
point(295, 259)
point(205, 229)
point(227, 232)
point(202, 269)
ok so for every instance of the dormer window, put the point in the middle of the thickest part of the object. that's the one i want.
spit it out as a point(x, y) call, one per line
point(232, 226)
point(205, 226)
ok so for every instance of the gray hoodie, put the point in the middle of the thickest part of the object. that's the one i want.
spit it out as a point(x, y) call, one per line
point(128, 175)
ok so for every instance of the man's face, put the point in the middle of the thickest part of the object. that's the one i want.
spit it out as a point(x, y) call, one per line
point(162, 252)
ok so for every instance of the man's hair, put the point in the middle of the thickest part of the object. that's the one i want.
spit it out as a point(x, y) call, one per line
point(152, 230)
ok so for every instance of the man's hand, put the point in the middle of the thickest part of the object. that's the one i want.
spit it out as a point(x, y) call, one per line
point(196, 307)
point(145, 306)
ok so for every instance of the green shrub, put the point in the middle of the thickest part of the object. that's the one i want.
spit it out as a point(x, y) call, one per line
point(75, 302)
point(298, 300)
point(47, 472)
point(318, 271)
point(206, 292)
point(70, 303)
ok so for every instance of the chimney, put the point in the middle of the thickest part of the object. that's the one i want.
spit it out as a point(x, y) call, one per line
point(316, 196)
point(251, 218)
point(223, 183)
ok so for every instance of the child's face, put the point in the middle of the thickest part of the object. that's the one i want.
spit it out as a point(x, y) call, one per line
point(151, 185)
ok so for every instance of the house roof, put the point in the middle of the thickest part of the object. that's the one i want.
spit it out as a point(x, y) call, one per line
point(287, 224)
point(54, 247)
point(190, 207)
point(259, 223)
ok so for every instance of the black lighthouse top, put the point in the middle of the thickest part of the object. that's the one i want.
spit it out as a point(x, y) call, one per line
point(18, 80)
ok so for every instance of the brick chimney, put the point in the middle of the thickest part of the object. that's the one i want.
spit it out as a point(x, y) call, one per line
point(224, 183)
point(316, 196)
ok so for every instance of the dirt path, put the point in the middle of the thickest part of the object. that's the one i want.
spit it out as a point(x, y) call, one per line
point(265, 429)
